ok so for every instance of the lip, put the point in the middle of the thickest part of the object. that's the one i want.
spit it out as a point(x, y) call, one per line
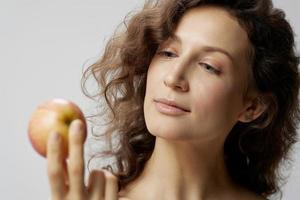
point(169, 107)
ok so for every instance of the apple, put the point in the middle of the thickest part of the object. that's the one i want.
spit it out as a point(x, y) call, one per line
point(54, 115)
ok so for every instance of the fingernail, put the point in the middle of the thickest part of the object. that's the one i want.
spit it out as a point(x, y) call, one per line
point(75, 127)
point(107, 172)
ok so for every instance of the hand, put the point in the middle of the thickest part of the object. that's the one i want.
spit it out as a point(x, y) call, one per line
point(66, 179)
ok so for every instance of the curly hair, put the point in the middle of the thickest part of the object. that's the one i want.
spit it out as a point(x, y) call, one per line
point(254, 151)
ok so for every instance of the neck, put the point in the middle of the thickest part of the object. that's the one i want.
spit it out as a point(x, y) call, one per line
point(182, 170)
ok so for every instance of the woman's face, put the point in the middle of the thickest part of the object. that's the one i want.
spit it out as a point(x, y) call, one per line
point(204, 70)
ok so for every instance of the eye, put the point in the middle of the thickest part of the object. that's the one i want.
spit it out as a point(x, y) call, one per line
point(167, 54)
point(210, 68)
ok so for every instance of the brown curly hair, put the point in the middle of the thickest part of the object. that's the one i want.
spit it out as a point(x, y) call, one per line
point(253, 151)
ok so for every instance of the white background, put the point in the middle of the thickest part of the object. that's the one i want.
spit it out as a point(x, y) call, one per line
point(44, 46)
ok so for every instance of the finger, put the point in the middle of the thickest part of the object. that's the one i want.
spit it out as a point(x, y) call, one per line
point(111, 186)
point(76, 160)
point(55, 166)
point(96, 185)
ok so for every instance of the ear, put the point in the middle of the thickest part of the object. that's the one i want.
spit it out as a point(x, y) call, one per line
point(254, 107)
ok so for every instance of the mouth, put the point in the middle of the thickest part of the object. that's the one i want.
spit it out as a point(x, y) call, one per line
point(170, 106)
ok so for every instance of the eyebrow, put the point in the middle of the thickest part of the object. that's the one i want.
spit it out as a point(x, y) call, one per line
point(177, 39)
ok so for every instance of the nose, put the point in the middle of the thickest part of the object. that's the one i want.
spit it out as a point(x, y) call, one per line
point(176, 78)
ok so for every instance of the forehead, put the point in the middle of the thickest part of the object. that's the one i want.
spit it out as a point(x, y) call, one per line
point(213, 26)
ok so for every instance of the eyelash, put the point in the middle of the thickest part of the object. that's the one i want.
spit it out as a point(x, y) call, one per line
point(165, 53)
point(172, 55)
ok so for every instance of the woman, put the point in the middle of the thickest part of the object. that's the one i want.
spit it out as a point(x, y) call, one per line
point(203, 104)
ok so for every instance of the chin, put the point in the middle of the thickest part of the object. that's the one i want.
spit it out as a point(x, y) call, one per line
point(168, 132)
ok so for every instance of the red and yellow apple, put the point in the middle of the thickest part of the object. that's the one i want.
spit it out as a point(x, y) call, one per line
point(53, 116)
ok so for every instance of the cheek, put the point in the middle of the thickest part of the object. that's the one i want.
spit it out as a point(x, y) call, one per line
point(216, 106)
point(152, 88)
point(154, 81)
point(151, 85)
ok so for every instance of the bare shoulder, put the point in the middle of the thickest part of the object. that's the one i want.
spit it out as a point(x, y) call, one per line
point(245, 194)
point(252, 196)
point(257, 197)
